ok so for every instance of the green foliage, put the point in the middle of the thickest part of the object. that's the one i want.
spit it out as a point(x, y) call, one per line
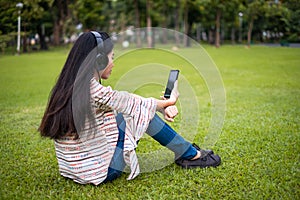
point(259, 143)
point(4, 39)
point(293, 23)
point(59, 18)
point(90, 13)
point(8, 16)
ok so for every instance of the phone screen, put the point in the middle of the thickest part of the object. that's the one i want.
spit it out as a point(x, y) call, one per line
point(173, 76)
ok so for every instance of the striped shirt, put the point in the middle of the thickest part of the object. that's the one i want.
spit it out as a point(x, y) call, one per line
point(86, 160)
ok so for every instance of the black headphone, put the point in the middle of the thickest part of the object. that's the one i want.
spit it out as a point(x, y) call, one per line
point(101, 58)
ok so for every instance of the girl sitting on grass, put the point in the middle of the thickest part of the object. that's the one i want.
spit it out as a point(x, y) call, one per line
point(96, 129)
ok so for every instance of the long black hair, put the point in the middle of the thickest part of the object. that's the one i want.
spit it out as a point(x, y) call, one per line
point(73, 87)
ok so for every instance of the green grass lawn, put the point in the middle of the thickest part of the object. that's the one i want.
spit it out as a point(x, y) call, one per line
point(259, 143)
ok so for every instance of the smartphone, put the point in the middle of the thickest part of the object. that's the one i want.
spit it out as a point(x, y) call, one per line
point(173, 76)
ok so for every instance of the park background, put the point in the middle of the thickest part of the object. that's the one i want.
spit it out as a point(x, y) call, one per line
point(251, 42)
point(56, 22)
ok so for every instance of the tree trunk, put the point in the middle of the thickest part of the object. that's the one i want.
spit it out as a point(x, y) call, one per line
point(149, 24)
point(218, 18)
point(250, 27)
point(164, 24)
point(137, 24)
point(189, 32)
point(198, 32)
point(211, 37)
point(186, 24)
point(232, 35)
point(25, 49)
point(123, 26)
point(56, 33)
point(66, 14)
point(59, 20)
point(43, 44)
point(177, 9)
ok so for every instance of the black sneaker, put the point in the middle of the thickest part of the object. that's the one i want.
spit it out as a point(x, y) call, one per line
point(207, 159)
point(203, 152)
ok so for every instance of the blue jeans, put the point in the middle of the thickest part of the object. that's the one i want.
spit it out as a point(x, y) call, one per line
point(158, 130)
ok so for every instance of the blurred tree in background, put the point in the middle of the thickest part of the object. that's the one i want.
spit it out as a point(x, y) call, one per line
point(57, 22)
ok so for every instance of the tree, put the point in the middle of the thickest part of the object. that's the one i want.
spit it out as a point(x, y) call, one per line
point(191, 15)
point(276, 18)
point(253, 10)
point(292, 20)
point(176, 25)
point(93, 14)
point(8, 16)
point(149, 24)
point(34, 14)
point(220, 7)
point(218, 18)
point(137, 23)
point(231, 19)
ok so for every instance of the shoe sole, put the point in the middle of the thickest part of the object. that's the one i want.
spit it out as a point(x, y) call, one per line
point(199, 166)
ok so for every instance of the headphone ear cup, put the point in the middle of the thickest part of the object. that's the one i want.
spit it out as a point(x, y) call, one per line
point(102, 61)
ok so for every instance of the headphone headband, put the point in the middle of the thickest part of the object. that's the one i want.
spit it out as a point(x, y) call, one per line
point(99, 40)
point(101, 58)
